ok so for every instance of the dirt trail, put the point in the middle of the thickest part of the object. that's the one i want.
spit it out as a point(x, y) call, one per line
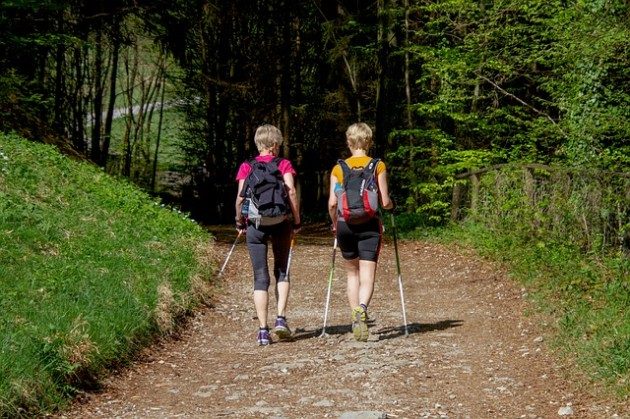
point(471, 352)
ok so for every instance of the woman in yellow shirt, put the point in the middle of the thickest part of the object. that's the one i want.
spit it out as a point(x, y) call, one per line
point(359, 243)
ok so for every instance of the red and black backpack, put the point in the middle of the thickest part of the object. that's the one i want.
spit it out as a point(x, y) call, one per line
point(358, 196)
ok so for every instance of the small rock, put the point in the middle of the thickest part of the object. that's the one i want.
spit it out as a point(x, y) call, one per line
point(539, 339)
point(363, 415)
point(565, 411)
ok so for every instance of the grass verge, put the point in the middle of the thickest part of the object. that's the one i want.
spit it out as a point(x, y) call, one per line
point(588, 295)
point(91, 269)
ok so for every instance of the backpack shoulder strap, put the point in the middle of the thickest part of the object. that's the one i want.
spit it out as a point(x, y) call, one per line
point(371, 167)
point(344, 167)
point(276, 164)
point(247, 187)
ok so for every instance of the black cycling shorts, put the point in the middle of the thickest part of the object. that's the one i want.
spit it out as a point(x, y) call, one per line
point(361, 241)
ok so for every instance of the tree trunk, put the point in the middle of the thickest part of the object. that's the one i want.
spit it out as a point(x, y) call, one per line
point(112, 96)
point(131, 70)
point(285, 80)
point(58, 110)
point(407, 77)
point(159, 133)
point(381, 91)
point(97, 111)
point(79, 115)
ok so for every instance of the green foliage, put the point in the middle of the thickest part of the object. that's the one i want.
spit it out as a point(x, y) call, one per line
point(590, 82)
point(84, 262)
point(425, 176)
point(534, 81)
point(588, 209)
point(521, 81)
point(170, 156)
point(20, 106)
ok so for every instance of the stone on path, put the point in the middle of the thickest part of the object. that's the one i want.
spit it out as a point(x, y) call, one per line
point(363, 415)
point(565, 411)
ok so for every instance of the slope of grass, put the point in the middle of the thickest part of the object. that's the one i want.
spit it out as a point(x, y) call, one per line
point(90, 270)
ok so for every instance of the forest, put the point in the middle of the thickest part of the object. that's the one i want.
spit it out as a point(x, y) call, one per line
point(448, 86)
point(504, 125)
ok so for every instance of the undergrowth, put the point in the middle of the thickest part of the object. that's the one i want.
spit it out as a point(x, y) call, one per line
point(91, 269)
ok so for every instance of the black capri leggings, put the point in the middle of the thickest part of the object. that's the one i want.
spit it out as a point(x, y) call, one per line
point(257, 239)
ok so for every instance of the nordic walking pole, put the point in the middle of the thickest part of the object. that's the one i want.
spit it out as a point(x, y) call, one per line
point(400, 286)
point(230, 253)
point(288, 265)
point(330, 279)
point(290, 254)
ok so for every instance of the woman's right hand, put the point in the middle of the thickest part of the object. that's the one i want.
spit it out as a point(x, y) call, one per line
point(241, 225)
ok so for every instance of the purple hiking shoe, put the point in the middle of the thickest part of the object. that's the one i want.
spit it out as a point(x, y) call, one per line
point(263, 338)
point(281, 329)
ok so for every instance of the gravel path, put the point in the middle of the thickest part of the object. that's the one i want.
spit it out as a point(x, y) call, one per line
point(471, 351)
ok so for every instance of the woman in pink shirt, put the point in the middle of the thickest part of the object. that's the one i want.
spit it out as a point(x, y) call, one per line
point(279, 227)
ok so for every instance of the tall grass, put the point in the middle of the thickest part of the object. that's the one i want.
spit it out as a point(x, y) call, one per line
point(90, 270)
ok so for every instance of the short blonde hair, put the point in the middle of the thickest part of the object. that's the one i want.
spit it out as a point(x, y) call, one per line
point(267, 137)
point(359, 136)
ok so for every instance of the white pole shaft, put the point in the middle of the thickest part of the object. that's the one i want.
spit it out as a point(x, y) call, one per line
point(290, 257)
point(229, 254)
point(330, 279)
point(402, 302)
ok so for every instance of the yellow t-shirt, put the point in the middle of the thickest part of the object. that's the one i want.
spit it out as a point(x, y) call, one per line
point(357, 163)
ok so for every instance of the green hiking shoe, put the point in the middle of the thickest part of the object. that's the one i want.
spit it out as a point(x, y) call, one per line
point(359, 324)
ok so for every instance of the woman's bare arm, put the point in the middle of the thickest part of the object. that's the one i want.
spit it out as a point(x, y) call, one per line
point(289, 183)
point(383, 191)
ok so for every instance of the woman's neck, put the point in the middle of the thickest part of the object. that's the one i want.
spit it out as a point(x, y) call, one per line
point(358, 152)
point(267, 153)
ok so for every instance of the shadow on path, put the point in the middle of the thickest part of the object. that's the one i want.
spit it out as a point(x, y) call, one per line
point(394, 332)
point(383, 334)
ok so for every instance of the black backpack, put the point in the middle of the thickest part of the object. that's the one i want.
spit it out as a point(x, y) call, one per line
point(357, 199)
point(266, 200)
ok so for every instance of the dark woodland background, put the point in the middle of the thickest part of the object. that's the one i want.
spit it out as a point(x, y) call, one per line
point(447, 85)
